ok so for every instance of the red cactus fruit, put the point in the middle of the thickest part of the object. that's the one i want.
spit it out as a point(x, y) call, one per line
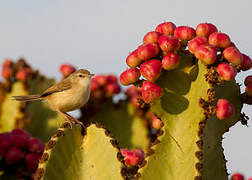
point(248, 80)
point(133, 90)
point(7, 63)
point(5, 143)
point(184, 33)
point(18, 131)
point(250, 178)
point(156, 122)
point(248, 90)
point(170, 61)
point(166, 28)
point(13, 156)
point(135, 101)
point(151, 37)
point(133, 157)
point(129, 76)
point(151, 91)
point(94, 85)
point(205, 29)
point(168, 43)
point(19, 140)
point(226, 71)
point(196, 42)
point(31, 161)
point(66, 69)
point(151, 69)
point(113, 88)
point(22, 74)
point(225, 109)
point(111, 79)
point(7, 72)
point(206, 53)
point(100, 79)
point(233, 55)
point(219, 39)
point(237, 176)
point(147, 51)
point(35, 145)
point(133, 60)
point(246, 63)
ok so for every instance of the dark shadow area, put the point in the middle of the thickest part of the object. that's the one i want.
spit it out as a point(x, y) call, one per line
point(176, 81)
point(173, 103)
point(193, 74)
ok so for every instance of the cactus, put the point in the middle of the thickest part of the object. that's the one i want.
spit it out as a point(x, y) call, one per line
point(35, 117)
point(124, 125)
point(185, 98)
point(71, 155)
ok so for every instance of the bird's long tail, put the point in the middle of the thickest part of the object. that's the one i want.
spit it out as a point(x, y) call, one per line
point(27, 98)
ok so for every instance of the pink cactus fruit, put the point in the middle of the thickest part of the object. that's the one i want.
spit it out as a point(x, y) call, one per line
point(233, 55)
point(246, 63)
point(19, 140)
point(151, 69)
point(7, 70)
point(237, 176)
point(94, 85)
point(151, 91)
point(5, 143)
point(170, 61)
point(226, 71)
point(206, 53)
point(196, 42)
point(111, 79)
point(133, 157)
point(13, 156)
point(112, 88)
point(205, 29)
point(147, 51)
point(166, 28)
point(220, 40)
point(248, 80)
point(184, 33)
point(168, 43)
point(133, 60)
point(129, 76)
point(151, 37)
point(35, 145)
point(66, 69)
point(225, 109)
point(31, 161)
point(100, 79)
point(22, 74)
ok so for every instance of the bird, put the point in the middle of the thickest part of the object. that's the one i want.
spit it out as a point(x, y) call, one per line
point(67, 95)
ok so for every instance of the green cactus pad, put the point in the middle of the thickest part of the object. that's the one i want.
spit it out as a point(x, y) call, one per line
point(40, 120)
point(11, 110)
point(190, 146)
point(71, 156)
point(127, 128)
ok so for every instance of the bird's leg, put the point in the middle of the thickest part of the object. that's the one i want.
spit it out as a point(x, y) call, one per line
point(66, 116)
point(73, 119)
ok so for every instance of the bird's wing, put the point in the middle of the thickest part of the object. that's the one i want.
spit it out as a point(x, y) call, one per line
point(63, 85)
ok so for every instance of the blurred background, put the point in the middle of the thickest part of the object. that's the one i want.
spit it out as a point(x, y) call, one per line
point(98, 35)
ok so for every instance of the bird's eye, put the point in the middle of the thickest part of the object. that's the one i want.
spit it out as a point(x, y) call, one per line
point(81, 75)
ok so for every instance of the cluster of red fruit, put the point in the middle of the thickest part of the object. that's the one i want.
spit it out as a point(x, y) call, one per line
point(9, 70)
point(21, 149)
point(132, 157)
point(160, 51)
point(104, 86)
point(239, 176)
